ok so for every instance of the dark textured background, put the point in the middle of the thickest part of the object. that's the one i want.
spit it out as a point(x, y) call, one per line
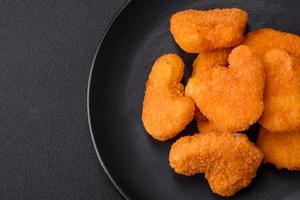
point(46, 50)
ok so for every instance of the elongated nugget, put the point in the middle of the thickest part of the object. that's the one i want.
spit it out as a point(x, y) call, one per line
point(197, 30)
point(266, 38)
point(282, 92)
point(205, 61)
point(231, 97)
point(280, 148)
point(166, 111)
point(229, 160)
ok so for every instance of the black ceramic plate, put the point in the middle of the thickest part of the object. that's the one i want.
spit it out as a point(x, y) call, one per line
point(137, 164)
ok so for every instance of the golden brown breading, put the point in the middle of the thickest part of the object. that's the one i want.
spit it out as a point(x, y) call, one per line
point(266, 38)
point(197, 30)
point(166, 111)
point(230, 97)
point(205, 61)
point(282, 92)
point(280, 148)
point(203, 124)
point(229, 160)
point(210, 59)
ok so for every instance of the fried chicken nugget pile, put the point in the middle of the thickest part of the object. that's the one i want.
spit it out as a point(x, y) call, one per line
point(232, 87)
point(282, 93)
point(230, 97)
point(166, 111)
point(197, 30)
point(280, 148)
point(229, 160)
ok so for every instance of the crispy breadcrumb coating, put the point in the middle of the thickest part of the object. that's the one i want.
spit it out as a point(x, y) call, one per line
point(266, 38)
point(203, 124)
point(280, 148)
point(282, 92)
point(197, 30)
point(166, 111)
point(229, 160)
point(230, 97)
point(209, 59)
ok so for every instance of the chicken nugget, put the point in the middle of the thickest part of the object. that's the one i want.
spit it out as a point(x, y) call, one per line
point(280, 148)
point(231, 97)
point(197, 30)
point(282, 92)
point(205, 61)
point(229, 160)
point(266, 38)
point(166, 111)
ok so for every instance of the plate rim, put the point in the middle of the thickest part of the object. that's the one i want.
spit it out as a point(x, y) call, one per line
point(100, 42)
